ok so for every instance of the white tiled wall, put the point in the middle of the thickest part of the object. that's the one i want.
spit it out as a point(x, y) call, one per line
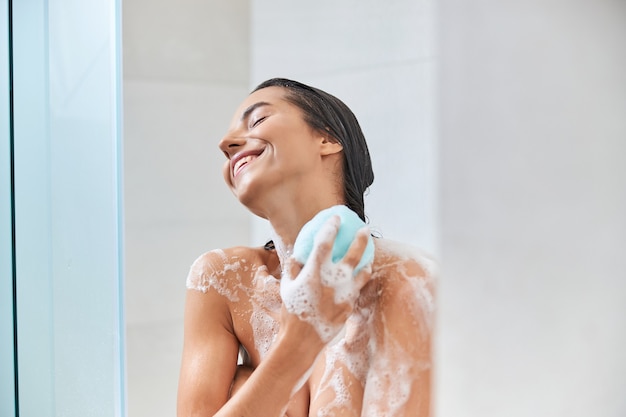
point(185, 71)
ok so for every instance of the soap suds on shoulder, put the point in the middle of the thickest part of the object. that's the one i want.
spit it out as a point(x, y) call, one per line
point(215, 269)
point(402, 252)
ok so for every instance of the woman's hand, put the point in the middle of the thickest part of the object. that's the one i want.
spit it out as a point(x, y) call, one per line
point(318, 297)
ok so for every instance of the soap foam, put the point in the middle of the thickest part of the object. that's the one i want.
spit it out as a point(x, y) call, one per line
point(266, 305)
point(405, 252)
point(339, 278)
point(388, 388)
point(208, 272)
point(375, 359)
point(347, 362)
point(265, 329)
point(283, 251)
point(335, 381)
point(301, 296)
point(390, 378)
point(392, 374)
point(215, 270)
point(342, 396)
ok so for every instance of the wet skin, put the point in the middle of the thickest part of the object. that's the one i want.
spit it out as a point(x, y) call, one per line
point(286, 172)
point(390, 326)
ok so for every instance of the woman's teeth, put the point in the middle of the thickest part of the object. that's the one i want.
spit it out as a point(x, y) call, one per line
point(240, 163)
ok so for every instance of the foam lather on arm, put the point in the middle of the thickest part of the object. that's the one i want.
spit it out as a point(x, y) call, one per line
point(350, 225)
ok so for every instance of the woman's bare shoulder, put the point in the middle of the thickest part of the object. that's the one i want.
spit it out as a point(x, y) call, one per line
point(406, 278)
point(397, 258)
point(221, 268)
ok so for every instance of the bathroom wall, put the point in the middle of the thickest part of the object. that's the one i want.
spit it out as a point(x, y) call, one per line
point(379, 58)
point(533, 196)
point(498, 136)
point(186, 66)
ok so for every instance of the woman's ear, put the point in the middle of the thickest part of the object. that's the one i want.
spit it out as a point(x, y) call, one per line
point(329, 146)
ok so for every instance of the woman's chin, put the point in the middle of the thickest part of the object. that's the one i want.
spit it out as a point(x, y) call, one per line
point(250, 198)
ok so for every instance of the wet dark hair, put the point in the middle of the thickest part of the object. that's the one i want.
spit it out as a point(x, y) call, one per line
point(326, 113)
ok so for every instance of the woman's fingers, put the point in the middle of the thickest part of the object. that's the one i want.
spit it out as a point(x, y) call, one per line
point(292, 268)
point(363, 277)
point(324, 293)
point(355, 252)
point(324, 240)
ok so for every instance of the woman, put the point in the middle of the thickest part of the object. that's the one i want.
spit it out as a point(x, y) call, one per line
point(293, 150)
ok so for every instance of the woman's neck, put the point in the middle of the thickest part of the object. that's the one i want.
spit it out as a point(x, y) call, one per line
point(287, 221)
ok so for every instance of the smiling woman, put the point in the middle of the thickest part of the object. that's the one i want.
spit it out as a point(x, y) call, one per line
point(292, 151)
point(187, 67)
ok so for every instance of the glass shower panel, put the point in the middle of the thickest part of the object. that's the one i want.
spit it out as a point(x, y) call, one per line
point(7, 380)
point(67, 130)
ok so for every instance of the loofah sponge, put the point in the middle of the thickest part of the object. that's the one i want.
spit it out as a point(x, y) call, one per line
point(350, 224)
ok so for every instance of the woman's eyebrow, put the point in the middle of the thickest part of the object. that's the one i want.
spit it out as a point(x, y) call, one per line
point(252, 108)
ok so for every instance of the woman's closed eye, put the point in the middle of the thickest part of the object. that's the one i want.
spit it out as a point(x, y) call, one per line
point(255, 122)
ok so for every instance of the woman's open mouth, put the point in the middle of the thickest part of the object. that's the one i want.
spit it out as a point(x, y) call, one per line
point(243, 159)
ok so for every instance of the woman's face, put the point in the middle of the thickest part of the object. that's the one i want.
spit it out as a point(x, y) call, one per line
point(268, 145)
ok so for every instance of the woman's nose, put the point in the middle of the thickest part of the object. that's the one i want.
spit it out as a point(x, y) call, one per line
point(231, 144)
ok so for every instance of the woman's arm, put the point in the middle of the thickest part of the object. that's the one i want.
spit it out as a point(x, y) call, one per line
point(268, 389)
point(209, 358)
point(209, 355)
point(209, 364)
point(400, 375)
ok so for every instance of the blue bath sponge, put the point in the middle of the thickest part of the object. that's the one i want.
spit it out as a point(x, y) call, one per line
point(350, 224)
